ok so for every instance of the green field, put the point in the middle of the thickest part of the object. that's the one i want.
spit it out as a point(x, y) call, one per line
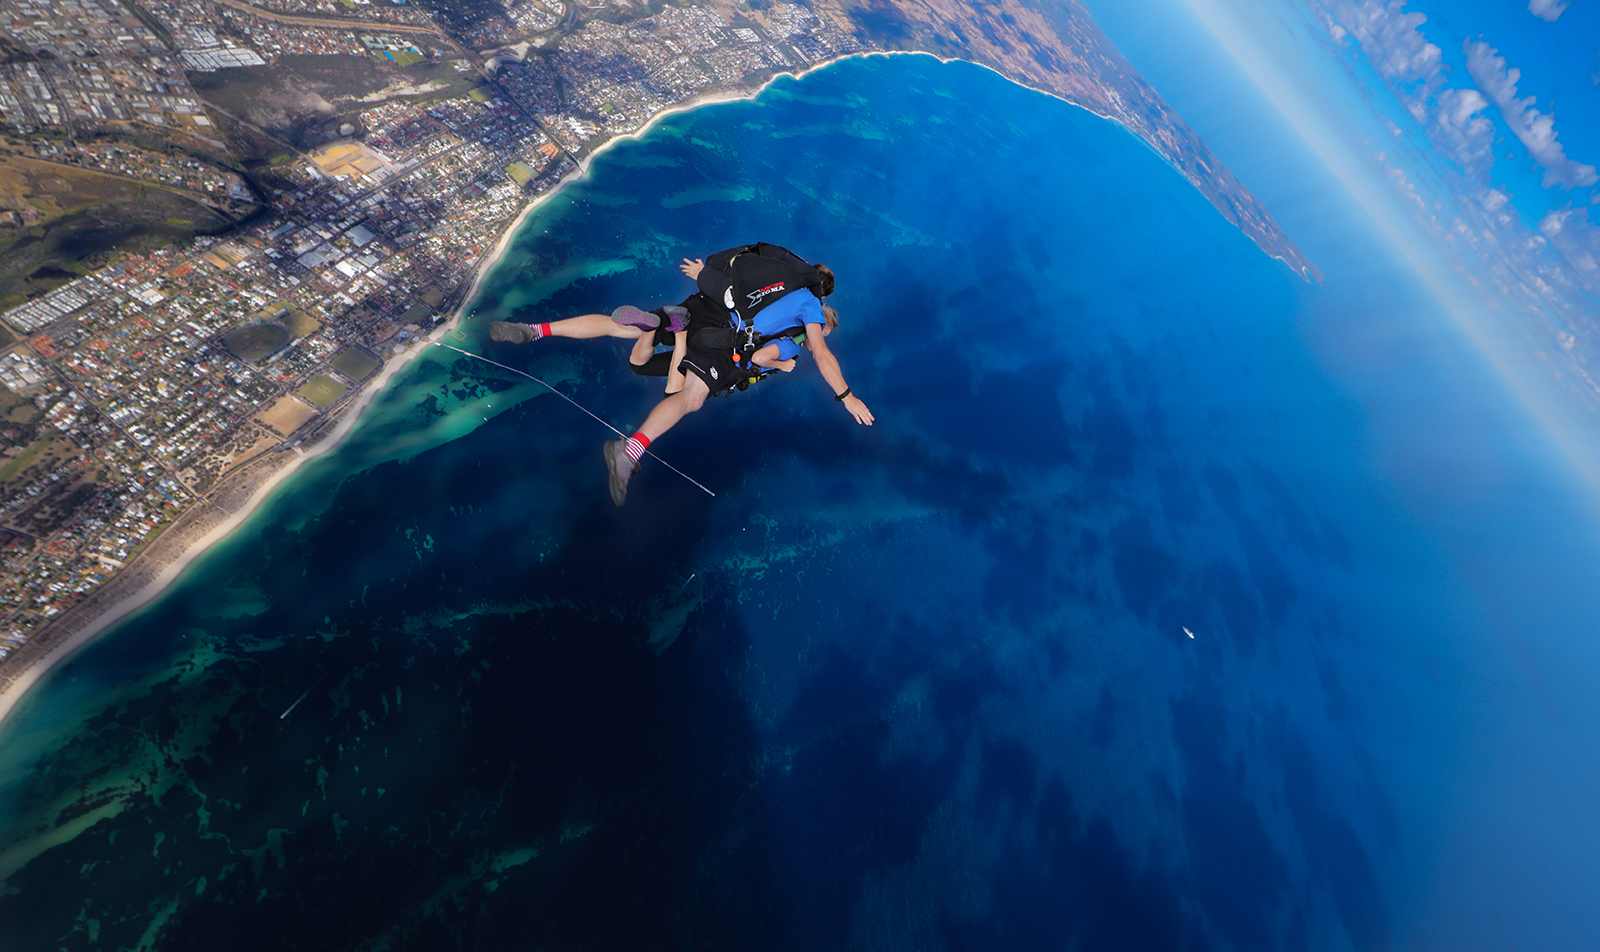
point(417, 313)
point(256, 341)
point(356, 364)
point(321, 391)
point(520, 174)
point(299, 323)
point(28, 455)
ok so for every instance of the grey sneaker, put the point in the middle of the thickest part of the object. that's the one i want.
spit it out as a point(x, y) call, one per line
point(677, 317)
point(508, 333)
point(631, 316)
point(620, 468)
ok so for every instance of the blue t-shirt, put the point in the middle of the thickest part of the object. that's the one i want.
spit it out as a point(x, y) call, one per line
point(788, 349)
point(795, 309)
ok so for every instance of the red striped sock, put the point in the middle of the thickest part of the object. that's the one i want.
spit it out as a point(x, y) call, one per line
point(541, 330)
point(637, 444)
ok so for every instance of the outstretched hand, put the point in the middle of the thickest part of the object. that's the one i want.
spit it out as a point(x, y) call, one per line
point(858, 410)
point(692, 267)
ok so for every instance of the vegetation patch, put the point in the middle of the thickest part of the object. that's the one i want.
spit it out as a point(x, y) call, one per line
point(321, 391)
point(356, 364)
point(254, 342)
point(27, 456)
point(15, 408)
point(67, 222)
point(304, 99)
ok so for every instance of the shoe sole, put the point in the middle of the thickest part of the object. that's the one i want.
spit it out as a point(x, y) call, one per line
point(631, 316)
point(507, 333)
point(619, 483)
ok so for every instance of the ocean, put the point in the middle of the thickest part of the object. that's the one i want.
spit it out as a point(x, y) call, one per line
point(1139, 619)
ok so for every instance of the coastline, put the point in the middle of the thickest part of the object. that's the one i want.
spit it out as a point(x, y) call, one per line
point(156, 569)
point(232, 504)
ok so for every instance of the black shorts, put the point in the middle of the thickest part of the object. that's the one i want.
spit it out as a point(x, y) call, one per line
point(710, 349)
point(659, 364)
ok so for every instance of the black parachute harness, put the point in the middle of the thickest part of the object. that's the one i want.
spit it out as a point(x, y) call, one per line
point(746, 343)
point(758, 275)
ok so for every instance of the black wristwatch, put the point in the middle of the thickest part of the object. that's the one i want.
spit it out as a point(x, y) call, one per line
point(840, 396)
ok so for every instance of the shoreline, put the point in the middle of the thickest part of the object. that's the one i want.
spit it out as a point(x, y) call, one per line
point(16, 687)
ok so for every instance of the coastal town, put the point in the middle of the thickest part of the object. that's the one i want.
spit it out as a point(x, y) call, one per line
point(150, 387)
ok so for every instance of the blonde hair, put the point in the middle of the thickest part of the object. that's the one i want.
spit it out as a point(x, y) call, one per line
point(831, 317)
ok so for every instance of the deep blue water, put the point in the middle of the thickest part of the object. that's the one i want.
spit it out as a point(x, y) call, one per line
point(929, 686)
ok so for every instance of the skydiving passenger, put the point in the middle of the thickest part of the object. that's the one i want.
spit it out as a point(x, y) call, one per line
point(744, 321)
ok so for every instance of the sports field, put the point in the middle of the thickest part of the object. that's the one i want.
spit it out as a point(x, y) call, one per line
point(356, 364)
point(256, 341)
point(322, 390)
point(287, 414)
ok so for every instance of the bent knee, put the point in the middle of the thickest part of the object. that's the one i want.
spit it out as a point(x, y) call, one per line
point(694, 393)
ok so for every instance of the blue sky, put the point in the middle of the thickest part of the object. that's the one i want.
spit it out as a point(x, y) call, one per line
point(1467, 133)
point(1492, 108)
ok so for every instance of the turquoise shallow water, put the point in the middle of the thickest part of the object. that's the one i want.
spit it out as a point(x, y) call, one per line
point(923, 685)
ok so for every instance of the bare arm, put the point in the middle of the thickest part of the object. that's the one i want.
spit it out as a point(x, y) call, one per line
point(829, 365)
point(768, 357)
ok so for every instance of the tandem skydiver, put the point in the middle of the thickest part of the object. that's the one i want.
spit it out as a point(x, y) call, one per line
point(744, 321)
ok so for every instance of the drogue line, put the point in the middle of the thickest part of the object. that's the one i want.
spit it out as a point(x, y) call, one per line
point(575, 403)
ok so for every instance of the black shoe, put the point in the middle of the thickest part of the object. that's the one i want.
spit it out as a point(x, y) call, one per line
point(508, 333)
point(619, 467)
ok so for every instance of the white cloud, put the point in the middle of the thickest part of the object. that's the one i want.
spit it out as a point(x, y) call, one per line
point(1461, 133)
point(1569, 232)
point(1547, 9)
point(1391, 38)
point(1403, 185)
point(1493, 199)
point(1535, 130)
